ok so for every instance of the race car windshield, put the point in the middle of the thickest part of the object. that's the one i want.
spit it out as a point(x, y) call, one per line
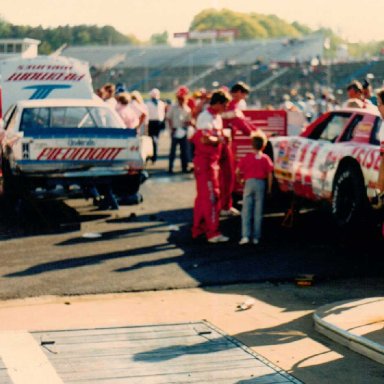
point(69, 117)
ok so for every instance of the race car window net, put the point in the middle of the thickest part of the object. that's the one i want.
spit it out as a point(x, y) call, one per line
point(331, 128)
point(69, 117)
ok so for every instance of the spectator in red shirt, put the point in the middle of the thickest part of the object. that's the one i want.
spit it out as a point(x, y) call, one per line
point(254, 170)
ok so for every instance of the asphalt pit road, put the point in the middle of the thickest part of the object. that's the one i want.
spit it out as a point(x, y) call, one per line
point(170, 179)
point(32, 216)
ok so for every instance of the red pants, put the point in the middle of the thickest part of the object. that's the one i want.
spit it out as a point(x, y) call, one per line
point(227, 177)
point(207, 203)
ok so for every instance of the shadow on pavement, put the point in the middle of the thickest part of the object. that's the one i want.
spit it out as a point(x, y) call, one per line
point(111, 235)
point(86, 261)
point(26, 218)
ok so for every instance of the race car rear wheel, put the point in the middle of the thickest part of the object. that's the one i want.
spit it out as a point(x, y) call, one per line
point(8, 182)
point(349, 198)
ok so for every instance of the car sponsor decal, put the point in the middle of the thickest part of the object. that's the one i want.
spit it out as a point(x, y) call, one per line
point(44, 75)
point(367, 157)
point(283, 175)
point(362, 131)
point(313, 154)
point(43, 91)
point(296, 164)
point(298, 179)
point(79, 153)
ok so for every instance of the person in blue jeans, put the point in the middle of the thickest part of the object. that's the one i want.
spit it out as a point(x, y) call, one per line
point(255, 171)
point(179, 117)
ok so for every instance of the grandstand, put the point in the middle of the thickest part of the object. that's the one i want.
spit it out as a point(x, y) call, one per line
point(178, 65)
point(272, 67)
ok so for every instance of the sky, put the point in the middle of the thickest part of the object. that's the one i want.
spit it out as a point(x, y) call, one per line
point(356, 20)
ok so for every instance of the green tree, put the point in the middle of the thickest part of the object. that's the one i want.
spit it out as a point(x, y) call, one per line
point(159, 38)
point(45, 48)
point(275, 26)
point(5, 27)
point(249, 26)
point(365, 50)
point(225, 19)
point(303, 29)
point(53, 38)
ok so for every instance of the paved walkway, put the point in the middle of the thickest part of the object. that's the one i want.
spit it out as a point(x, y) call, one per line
point(95, 339)
point(357, 324)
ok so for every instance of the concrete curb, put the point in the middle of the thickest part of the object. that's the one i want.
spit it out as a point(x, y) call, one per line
point(360, 344)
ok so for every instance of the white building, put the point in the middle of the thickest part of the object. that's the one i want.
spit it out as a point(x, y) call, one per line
point(26, 48)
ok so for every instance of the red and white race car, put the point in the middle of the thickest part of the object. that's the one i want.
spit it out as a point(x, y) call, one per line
point(336, 158)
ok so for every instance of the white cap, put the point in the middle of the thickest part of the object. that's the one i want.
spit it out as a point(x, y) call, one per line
point(154, 93)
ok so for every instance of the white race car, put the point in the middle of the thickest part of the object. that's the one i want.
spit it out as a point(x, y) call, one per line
point(54, 144)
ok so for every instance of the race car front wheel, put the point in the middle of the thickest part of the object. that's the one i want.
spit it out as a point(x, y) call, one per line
point(349, 198)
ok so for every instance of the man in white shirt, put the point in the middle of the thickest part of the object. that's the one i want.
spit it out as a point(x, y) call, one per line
point(179, 117)
point(355, 95)
point(156, 117)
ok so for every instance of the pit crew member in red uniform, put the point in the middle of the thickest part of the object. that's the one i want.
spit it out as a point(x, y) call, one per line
point(233, 119)
point(208, 141)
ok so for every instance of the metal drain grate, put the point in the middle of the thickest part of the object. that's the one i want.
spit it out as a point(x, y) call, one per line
point(168, 353)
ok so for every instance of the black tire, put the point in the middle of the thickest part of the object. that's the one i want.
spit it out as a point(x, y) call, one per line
point(12, 189)
point(349, 198)
point(129, 185)
point(9, 189)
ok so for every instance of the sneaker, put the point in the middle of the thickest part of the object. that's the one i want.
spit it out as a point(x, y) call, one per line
point(255, 241)
point(230, 212)
point(244, 240)
point(218, 239)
